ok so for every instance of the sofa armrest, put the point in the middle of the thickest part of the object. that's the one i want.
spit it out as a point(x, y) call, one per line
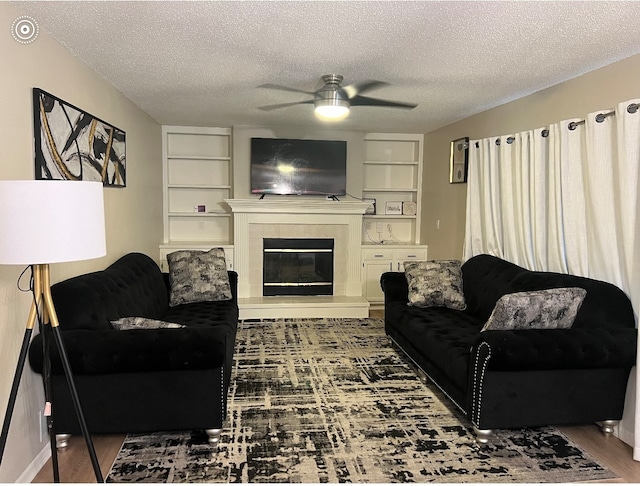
point(92, 352)
point(395, 287)
point(538, 349)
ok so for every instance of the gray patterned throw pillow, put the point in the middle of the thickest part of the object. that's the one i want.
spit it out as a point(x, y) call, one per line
point(538, 309)
point(198, 276)
point(127, 323)
point(435, 283)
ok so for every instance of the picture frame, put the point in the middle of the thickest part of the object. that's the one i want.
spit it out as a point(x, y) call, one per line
point(409, 208)
point(372, 205)
point(71, 144)
point(393, 207)
point(459, 161)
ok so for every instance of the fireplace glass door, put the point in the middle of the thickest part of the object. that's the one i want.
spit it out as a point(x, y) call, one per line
point(298, 266)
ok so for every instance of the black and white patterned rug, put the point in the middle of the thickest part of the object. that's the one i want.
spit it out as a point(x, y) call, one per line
point(330, 401)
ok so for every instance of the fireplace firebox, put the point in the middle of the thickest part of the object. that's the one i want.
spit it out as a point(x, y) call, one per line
point(297, 266)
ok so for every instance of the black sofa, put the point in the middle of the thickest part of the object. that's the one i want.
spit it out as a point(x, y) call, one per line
point(139, 380)
point(519, 378)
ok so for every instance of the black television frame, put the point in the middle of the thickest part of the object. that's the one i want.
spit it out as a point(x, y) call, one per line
point(317, 167)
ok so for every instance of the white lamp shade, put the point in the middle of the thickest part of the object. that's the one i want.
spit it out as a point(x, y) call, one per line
point(51, 221)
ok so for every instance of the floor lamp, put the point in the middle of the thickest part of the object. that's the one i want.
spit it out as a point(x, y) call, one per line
point(44, 222)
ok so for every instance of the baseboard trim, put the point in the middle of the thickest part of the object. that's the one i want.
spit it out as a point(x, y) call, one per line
point(34, 467)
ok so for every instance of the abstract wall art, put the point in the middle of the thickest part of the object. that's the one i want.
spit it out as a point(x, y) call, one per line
point(459, 161)
point(71, 144)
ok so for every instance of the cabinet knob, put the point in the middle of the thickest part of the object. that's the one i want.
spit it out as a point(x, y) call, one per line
point(378, 256)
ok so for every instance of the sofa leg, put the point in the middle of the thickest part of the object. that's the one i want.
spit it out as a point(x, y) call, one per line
point(423, 376)
point(483, 436)
point(214, 435)
point(62, 441)
point(608, 426)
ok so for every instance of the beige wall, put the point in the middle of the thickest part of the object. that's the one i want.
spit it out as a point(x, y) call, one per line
point(600, 89)
point(133, 214)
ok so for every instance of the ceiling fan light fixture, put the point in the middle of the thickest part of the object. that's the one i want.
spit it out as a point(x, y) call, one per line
point(331, 109)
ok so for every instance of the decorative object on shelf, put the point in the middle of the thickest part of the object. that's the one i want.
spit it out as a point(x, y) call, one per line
point(393, 207)
point(409, 208)
point(45, 222)
point(459, 161)
point(200, 208)
point(372, 208)
point(71, 144)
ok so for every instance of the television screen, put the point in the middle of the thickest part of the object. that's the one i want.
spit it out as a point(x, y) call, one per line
point(288, 166)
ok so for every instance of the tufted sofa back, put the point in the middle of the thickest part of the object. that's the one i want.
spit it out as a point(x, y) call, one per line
point(131, 286)
point(486, 278)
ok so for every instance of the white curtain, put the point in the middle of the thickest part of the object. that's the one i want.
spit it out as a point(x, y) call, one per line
point(563, 199)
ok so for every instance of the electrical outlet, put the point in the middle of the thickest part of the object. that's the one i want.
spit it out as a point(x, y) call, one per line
point(379, 227)
point(42, 423)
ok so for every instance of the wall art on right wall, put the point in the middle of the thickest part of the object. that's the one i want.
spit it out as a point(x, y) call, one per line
point(459, 161)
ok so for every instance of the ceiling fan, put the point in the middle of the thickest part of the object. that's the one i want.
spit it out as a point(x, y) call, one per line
point(333, 101)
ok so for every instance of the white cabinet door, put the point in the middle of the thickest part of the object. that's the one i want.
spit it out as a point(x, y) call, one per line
point(379, 259)
point(372, 271)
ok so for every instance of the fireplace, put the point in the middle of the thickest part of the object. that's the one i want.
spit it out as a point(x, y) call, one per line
point(297, 266)
point(255, 220)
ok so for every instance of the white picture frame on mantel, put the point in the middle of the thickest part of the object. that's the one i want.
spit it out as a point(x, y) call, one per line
point(393, 207)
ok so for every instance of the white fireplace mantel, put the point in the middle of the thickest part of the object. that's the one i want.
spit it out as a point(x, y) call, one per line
point(295, 206)
point(292, 217)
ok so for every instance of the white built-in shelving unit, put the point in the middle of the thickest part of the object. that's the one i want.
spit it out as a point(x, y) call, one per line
point(197, 172)
point(392, 175)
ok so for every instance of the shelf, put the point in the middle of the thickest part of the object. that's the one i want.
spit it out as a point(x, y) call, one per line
point(215, 214)
point(390, 189)
point(197, 186)
point(197, 171)
point(392, 162)
point(392, 173)
point(198, 157)
point(390, 216)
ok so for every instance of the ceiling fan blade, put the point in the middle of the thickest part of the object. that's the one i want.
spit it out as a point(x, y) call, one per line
point(285, 88)
point(284, 105)
point(366, 101)
point(354, 89)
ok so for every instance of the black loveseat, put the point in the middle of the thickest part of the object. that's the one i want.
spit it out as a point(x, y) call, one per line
point(139, 380)
point(519, 378)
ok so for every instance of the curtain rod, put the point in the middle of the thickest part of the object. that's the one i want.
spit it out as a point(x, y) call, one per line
point(600, 117)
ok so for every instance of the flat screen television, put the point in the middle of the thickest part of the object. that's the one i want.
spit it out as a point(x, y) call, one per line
point(289, 166)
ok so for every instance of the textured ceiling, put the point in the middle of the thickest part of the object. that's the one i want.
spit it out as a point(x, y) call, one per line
point(200, 62)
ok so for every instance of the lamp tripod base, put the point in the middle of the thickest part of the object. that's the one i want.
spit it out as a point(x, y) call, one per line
point(42, 295)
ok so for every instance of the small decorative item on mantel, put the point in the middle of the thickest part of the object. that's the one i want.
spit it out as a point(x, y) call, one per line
point(393, 207)
point(409, 208)
point(459, 161)
point(371, 209)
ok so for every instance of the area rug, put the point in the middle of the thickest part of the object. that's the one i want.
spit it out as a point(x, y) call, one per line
point(330, 401)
